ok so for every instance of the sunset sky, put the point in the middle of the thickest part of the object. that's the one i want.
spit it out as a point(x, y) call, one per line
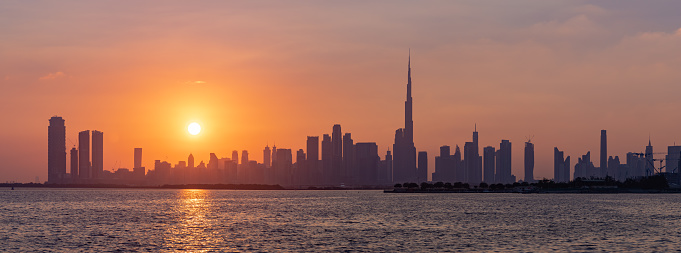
point(259, 72)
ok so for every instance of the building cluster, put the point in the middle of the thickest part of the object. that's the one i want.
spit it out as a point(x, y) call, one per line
point(87, 163)
point(344, 162)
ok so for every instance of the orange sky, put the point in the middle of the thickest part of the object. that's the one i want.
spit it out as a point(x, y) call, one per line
point(263, 72)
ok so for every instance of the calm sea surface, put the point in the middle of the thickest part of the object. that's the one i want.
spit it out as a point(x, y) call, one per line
point(223, 220)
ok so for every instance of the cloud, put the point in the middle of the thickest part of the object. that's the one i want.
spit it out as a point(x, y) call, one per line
point(194, 82)
point(52, 76)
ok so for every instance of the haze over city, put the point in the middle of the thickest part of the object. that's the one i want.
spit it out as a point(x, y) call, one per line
point(259, 73)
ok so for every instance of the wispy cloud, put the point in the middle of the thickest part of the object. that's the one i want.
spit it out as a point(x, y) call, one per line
point(194, 82)
point(52, 76)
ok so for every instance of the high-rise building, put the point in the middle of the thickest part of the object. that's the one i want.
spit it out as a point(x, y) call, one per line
point(444, 166)
point(604, 154)
point(56, 150)
point(313, 148)
point(190, 161)
point(503, 173)
point(672, 159)
point(404, 159)
point(650, 168)
point(488, 169)
point(235, 156)
point(349, 172)
point(283, 165)
point(337, 159)
point(529, 162)
point(389, 167)
point(84, 154)
point(244, 157)
point(312, 162)
point(327, 159)
point(422, 170)
point(74, 163)
point(558, 165)
point(367, 163)
point(138, 158)
point(267, 154)
point(97, 154)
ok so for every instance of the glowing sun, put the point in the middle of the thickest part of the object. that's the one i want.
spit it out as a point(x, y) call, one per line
point(194, 128)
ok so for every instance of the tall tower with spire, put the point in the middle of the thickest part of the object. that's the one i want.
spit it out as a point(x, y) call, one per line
point(404, 156)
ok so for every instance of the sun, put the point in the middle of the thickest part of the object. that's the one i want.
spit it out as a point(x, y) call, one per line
point(194, 128)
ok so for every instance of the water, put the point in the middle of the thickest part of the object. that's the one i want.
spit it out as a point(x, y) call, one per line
point(222, 220)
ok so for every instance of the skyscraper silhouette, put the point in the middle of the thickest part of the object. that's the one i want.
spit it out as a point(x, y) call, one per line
point(97, 154)
point(74, 163)
point(327, 159)
point(349, 167)
point(56, 150)
point(266, 156)
point(190, 161)
point(337, 159)
point(422, 170)
point(138, 158)
point(529, 162)
point(488, 170)
point(404, 159)
point(604, 154)
point(84, 154)
point(504, 173)
point(312, 161)
point(244, 157)
point(235, 156)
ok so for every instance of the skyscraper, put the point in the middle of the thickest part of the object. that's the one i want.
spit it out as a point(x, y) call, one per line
point(138, 158)
point(74, 163)
point(235, 156)
point(529, 162)
point(56, 150)
point(367, 163)
point(190, 161)
point(312, 161)
point(337, 159)
point(422, 170)
point(267, 154)
point(504, 174)
point(97, 154)
point(488, 170)
point(84, 154)
point(349, 172)
point(327, 157)
point(472, 160)
point(558, 165)
point(650, 168)
point(244, 157)
point(404, 159)
point(604, 154)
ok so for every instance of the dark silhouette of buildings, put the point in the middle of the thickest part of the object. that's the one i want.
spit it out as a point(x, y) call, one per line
point(559, 165)
point(190, 161)
point(313, 164)
point(529, 162)
point(404, 159)
point(327, 159)
point(444, 166)
point(97, 154)
point(650, 169)
point(604, 154)
point(74, 163)
point(84, 154)
point(503, 171)
point(349, 167)
point(489, 154)
point(266, 155)
point(367, 163)
point(337, 156)
point(422, 170)
point(138, 158)
point(56, 150)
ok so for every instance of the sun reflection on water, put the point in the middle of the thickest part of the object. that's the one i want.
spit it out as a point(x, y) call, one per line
point(195, 223)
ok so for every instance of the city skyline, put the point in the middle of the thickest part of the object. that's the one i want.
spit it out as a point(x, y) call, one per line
point(588, 67)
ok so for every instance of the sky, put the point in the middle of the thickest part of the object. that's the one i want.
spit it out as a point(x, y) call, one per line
point(257, 73)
